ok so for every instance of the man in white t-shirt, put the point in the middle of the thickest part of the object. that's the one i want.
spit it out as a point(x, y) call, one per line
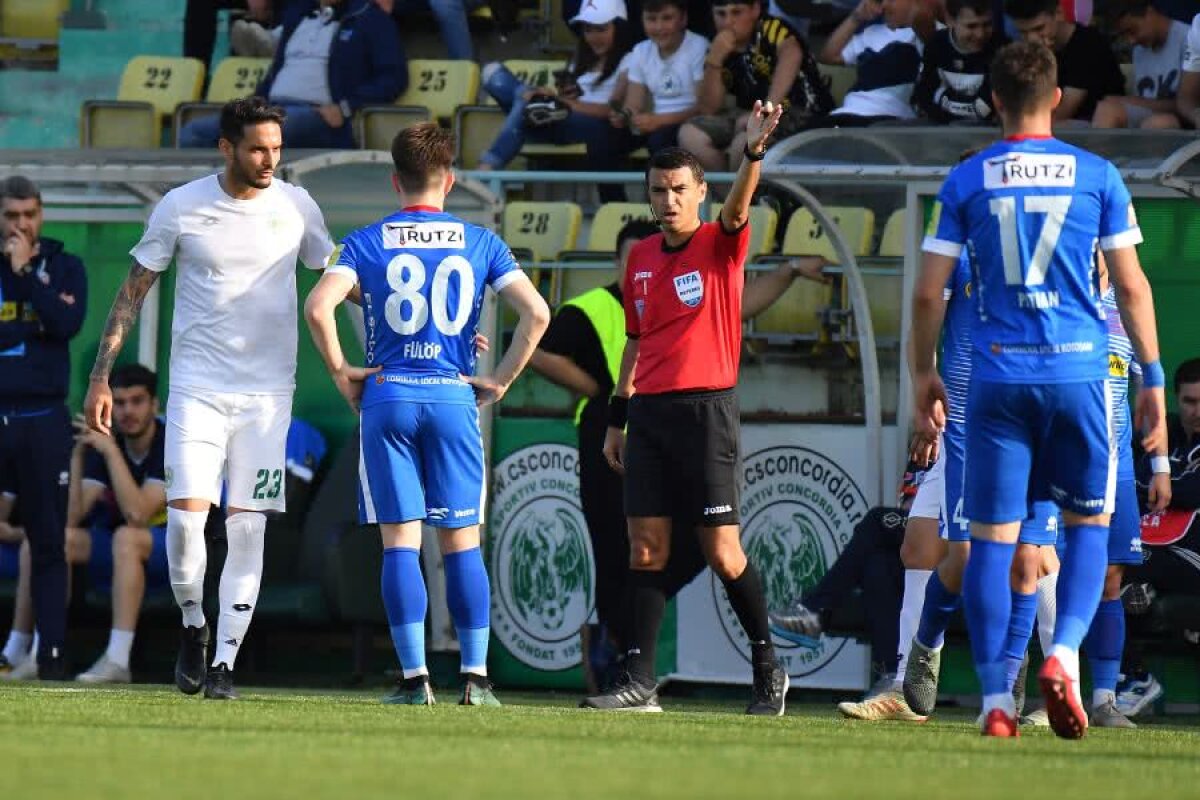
point(888, 57)
point(1187, 102)
point(235, 237)
point(1159, 44)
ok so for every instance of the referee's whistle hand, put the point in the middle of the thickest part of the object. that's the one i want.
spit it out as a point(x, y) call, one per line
point(97, 406)
point(614, 449)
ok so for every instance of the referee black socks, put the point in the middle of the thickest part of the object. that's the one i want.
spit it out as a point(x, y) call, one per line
point(746, 596)
point(648, 602)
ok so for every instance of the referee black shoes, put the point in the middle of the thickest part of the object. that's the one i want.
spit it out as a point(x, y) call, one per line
point(627, 694)
point(190, 666)
point(770, 690)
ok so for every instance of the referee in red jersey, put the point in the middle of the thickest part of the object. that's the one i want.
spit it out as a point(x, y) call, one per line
point(675, 396)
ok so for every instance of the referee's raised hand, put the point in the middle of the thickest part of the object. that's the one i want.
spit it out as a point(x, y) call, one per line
point(764, 118)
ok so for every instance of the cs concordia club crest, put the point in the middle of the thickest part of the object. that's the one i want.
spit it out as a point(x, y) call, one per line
point(541, 557)
point(798, 511)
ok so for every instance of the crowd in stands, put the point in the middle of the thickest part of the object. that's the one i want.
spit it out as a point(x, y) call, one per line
point(655, 73)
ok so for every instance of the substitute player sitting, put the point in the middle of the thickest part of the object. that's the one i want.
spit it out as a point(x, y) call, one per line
point(1031, 211)
point(423, 273)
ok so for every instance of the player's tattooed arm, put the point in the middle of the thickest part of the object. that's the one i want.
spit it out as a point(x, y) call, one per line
point(125, 310)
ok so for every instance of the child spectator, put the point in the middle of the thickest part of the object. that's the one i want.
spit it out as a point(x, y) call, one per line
point(595, 77)
point(1087, 68)
point(753, 56)
point(954, 86)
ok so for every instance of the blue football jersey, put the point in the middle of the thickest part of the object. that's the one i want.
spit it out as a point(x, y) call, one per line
point(956, 346)
point(1121, 367)
point(423, 275)
point(1031, 213)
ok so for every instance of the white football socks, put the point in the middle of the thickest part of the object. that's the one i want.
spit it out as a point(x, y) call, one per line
point(910, 614)
point(16, 649)
point(187, 558)
point(119, 645)
point(240, 581)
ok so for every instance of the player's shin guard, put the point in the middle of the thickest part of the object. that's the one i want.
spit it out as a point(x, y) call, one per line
point(1020, 628)
point(1104, 643)
point(240, 581)
point(187, 558)
point(940, 605)
point(915, 583)
point(987, 603)
point(468, 595)
point(405, 600)
point(1080, 584)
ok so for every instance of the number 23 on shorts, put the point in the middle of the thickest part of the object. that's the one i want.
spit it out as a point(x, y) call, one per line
point(269, 482)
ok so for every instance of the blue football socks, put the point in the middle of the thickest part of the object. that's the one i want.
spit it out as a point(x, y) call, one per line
point(406, 602)
point(468, 593)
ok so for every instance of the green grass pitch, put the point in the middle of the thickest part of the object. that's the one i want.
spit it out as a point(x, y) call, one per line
point(151, 742)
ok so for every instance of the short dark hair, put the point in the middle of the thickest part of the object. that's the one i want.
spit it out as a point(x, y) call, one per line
point(1187, 372)
point(654, 6)
point(675, 158)
point(237, 114)
point(18, 187)
point(1028, 9)
point(1023, 75)
point(128, 376)
point(420, 152)
point(1116, 10)
point(981, 8)
point(635, 230)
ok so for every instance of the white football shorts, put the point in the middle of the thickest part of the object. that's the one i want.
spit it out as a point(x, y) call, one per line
point(931, 494)
point(241, 438)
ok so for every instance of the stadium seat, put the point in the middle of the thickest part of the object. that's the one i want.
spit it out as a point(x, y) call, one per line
point(570, 283)
point(534, 72)
point(545, 229)
point(885, 293)
point(441, 86)
point(839, 79)
point(134, 126)
point(797, 312)
point(31, 19)
point(763, 221)
point(805, 237)
point(160, 81)
point(475, 127)
point(891, 244)
point(235, 77)
point(376, 126)
point(609, 220)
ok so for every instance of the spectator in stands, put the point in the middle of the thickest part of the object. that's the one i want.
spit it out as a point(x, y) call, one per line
point(1159, 43)
point(581, 351)
point(870, 563)
point(577, 110)
point(43, 299)
point(451, 17)
point(753, 56)
point(888, 57)
point(664, 81)
point(954, 85)
point(334, 57)
point(1087, 68)
point(200, 25)
point(1187, 102)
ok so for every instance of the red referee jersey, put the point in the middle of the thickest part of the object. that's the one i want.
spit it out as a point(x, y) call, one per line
point(684, 305)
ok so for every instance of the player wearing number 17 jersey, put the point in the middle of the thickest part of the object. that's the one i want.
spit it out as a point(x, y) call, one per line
point(422, 274)
point(1031, 211)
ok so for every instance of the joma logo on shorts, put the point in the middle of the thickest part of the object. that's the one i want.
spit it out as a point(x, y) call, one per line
point(710, 510)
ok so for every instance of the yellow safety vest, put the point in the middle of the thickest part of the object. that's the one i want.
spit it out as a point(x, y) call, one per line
point(608, 318)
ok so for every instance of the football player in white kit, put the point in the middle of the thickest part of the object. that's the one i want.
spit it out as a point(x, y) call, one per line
point(235, 237)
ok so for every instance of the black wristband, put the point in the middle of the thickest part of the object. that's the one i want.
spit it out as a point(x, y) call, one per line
point(752, 156)
point(618, 411)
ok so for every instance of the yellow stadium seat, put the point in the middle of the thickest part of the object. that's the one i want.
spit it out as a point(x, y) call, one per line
point(160, 81)
point(805, 237)
point(797, 312)
point(120, 125)
point(885, 293)
point(891, 244)
point(577, 281)
point(475, 127)
point(763, 221)
point(441, 86)
point(377, 126)
point(234, 78)
point(839, 79)
point(609, 220)
point(31, 19)
point(545, 229)
point(534, 72)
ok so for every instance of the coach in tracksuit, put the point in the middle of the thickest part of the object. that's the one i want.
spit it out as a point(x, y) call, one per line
point(43, 294)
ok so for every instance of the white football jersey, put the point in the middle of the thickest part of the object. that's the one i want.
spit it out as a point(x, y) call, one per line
point(235, 321)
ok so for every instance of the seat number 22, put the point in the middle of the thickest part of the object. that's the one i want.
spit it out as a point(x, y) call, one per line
point(406, 309)
point(1004, 209)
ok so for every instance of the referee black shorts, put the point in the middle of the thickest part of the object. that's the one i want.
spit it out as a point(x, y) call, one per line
point(682, 454)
